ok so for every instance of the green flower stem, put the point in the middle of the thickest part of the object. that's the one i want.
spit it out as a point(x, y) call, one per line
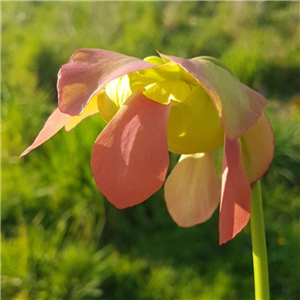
point(259, 250)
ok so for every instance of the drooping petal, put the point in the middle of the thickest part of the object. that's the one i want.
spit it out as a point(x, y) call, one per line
point(258, 149)
point(55, 122)
point(194, 125)
point(130, 157)
point(235, 193)
point(238, 106)
point(90, 109)
point(192, 190)
point(87, 72)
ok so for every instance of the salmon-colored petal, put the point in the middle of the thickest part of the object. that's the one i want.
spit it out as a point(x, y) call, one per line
point(235, 193)
point(55, 122)
point(130, 157)
point(258, 149)
point(192, 190)
point(238, 106)
point(90, 109)
point(87, 72)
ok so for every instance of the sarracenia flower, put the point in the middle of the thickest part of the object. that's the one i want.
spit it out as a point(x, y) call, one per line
point(187, 106)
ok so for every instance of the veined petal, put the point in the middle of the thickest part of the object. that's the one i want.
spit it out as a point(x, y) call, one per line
point(90, 109)
point(192, 190)
point(115, 94)
point(194, 125)
point(119, 90)
point(238, 106)
point(130, 157)
point(258, 149)
point(235, 193)
point(87, 72)
point(55, 122)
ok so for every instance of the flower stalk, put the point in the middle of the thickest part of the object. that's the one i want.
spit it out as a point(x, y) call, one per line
point(259, 250)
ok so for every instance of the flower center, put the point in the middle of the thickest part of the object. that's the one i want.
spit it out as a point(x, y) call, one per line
point(165, 83)
point(193, 124)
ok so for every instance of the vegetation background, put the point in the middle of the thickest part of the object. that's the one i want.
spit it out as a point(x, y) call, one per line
point(60, 238)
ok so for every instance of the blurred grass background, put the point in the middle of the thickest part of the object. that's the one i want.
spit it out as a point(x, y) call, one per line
point(60, 238)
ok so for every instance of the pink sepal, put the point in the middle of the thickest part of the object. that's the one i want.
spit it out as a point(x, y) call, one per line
point(130, 157)
point(87, 72)
point(235, 193)
point(55, 122)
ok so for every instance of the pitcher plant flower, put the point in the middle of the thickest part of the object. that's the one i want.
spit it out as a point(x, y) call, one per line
point(189, 107)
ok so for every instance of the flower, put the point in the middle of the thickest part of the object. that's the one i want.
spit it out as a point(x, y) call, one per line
point(187, 106)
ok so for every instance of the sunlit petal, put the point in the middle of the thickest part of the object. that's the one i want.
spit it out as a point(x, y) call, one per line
point(192, 189)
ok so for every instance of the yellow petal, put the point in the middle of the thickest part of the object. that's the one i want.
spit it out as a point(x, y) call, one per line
point(116, 93)
point(119, 90)
point(107, 107)
point(166, 91)
point(194, 125)
point(90, 109)
point(154, 60)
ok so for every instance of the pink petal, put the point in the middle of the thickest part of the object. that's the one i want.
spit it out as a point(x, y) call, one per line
point(87, 72)
point(130, 157)
point(192, 190)
point(238, 106)
point(235, 194)
point(55, 122)
point(258, 149)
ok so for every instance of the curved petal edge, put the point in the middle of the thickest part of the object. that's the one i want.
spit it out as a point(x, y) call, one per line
point(55, 122)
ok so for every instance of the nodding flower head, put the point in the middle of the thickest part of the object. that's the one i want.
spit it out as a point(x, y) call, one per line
point(186, 106)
